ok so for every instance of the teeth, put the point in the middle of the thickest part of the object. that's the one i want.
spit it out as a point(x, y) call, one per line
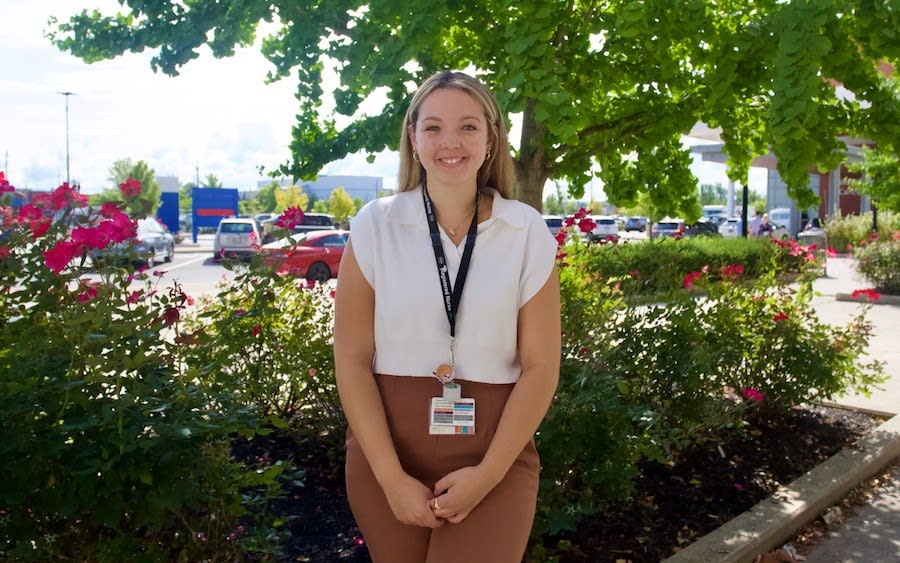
point(451, 160)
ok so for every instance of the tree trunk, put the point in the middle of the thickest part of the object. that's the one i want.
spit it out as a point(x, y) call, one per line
point(531, 166)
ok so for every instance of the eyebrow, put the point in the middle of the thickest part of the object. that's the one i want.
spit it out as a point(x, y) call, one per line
point(463, 118)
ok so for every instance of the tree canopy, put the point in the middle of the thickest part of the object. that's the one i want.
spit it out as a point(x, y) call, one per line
point(880, 177)
point(125, 168)
point(609, 86)
point(290, 196)
point(211, 181)
point(341, 205)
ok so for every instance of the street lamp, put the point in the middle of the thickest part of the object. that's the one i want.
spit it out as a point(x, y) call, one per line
point(67, 94)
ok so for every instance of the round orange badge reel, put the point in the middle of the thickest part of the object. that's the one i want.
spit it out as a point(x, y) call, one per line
point(444, 373)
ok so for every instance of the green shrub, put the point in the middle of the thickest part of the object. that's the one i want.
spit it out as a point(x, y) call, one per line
point(879, 263)
point(266, 338)
point(107, 453)
point(658, 268)
point(642, 383)
point(851, 231)
point(587, 440)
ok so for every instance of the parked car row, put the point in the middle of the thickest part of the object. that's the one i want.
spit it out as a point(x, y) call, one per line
point(607, 227)
point(677, 228)
point(312, 251)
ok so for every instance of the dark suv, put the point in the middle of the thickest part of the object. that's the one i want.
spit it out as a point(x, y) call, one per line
point(315, 222)
point(702, 229)
point(635, 224)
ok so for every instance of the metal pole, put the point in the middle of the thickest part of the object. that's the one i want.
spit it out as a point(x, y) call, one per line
point(67, 94)
point(746, 201)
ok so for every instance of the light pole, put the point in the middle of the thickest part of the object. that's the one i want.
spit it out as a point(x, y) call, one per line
point(67, 94)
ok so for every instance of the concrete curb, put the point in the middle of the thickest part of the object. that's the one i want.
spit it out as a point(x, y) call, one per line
point(772, 522)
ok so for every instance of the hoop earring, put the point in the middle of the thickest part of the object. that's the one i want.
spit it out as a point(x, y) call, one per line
point(415, 156)
point(487, 156)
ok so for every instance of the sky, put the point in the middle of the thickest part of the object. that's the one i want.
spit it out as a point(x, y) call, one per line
point(217, 117)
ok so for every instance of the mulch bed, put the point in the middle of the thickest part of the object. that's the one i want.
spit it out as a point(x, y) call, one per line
point(674, 504)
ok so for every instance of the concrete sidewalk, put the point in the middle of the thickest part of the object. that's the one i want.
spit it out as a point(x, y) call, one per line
point(204, 244)
point(874, 533)
point(871, 535)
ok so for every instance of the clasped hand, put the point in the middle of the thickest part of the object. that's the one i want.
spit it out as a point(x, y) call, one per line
point(454, 497)
point(410, 501)
point(458, 493)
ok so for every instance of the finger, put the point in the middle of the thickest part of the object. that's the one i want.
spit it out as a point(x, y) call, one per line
point(457, 518)
point(443, 485)
point(432, 521)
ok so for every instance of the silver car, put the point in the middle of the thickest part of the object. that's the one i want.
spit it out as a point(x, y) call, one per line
point(606, 229)
point(237, 236)
point(152, 244)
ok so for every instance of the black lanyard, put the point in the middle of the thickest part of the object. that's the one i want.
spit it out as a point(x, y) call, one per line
point(452, 296)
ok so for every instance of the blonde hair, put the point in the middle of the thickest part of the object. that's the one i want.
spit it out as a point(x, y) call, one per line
point(497, 171)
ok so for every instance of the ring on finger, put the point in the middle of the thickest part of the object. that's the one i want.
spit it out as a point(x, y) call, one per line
point(436, 505)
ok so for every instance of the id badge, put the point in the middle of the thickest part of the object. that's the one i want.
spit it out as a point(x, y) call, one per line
point(451, 414)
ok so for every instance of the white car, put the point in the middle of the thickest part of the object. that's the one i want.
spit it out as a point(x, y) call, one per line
point(780, 217)
point(606, 229)
point(732, 228)
point(237, 236)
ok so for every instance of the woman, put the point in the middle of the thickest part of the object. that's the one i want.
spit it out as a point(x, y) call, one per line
point(765, 227)
point(447, 303)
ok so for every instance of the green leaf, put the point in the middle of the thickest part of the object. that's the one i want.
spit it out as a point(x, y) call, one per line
point(634, 74)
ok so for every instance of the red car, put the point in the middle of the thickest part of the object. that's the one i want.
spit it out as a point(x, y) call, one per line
point(315, 255)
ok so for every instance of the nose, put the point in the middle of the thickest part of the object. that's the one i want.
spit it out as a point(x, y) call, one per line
point(450, 139)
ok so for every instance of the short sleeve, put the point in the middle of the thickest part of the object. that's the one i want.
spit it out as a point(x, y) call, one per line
point(540, 256)
point(362, 231)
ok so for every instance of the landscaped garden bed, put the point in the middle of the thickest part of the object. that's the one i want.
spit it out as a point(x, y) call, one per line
point(135, 427)
point(673, 503)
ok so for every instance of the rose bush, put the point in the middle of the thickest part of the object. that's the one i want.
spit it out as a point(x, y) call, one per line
point(879, 264)
point(641, 383)
point(852, 231)
point(108, 450)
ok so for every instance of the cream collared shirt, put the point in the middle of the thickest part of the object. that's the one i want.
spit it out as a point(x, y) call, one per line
point(512, 260)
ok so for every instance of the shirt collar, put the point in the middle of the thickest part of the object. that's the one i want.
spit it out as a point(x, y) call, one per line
point(407, 209)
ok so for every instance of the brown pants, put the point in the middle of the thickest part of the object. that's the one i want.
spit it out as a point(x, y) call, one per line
point(496, 531)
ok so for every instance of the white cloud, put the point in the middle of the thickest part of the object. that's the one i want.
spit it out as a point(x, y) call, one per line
point(218, 114)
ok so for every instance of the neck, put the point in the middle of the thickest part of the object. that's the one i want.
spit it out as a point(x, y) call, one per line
point(452, 206)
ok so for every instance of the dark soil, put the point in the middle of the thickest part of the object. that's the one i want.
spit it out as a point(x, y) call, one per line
point(674, 504)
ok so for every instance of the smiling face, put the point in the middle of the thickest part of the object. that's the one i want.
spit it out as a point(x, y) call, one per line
point(451, 137)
